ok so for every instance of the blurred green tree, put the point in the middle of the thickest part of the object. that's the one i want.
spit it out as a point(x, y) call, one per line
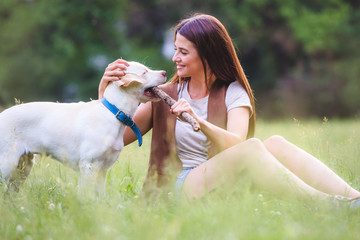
point(51, 48)
point(290, 50)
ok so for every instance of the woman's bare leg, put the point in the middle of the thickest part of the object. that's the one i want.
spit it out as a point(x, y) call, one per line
point(264, 169)
point(308, 168)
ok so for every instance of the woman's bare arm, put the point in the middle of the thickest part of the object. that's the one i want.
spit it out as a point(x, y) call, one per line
point(237, 128)
point(237, 125)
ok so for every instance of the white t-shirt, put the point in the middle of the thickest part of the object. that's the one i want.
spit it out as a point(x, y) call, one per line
point(191, 145)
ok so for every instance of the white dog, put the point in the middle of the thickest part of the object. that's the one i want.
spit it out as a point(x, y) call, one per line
point(87, 136)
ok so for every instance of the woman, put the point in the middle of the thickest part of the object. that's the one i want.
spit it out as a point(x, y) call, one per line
point(211, 85)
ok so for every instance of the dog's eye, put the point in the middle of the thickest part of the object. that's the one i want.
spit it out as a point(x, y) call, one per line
point(144, 73)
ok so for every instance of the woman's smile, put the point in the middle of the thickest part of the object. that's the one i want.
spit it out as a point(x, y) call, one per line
point(187, 59)
point(179, 66)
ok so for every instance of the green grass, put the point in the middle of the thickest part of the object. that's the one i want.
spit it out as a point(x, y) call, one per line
point(48, 206)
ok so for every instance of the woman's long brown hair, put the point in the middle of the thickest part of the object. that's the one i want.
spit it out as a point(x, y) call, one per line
point(215, 48)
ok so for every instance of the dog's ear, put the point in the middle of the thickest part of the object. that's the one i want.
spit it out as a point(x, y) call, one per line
point(129, 79)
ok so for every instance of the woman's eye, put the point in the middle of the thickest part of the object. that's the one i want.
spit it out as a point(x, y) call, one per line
point(181, 51)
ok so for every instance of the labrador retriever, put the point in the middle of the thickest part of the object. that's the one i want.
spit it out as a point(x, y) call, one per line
point(87, 136)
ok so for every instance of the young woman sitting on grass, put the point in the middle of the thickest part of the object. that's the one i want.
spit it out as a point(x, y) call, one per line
point(210, 84)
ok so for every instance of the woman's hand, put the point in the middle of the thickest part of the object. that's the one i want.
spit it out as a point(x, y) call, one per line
point(237, 125)
point(113, 72)
point(183, 106)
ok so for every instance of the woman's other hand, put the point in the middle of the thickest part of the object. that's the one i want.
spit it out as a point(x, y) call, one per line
point(113, 72)
point(183, 106)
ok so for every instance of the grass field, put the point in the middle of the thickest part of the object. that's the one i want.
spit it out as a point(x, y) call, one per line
point(48, 206)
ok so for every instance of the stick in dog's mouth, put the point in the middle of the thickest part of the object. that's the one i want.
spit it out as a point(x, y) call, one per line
point(170, 101)
point(150, 93)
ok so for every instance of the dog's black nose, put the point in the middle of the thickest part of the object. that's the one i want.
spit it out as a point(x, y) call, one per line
point(163, 73)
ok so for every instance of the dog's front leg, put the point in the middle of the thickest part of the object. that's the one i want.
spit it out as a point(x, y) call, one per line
point(87, 178)
point(92, 179)
point(100, 182)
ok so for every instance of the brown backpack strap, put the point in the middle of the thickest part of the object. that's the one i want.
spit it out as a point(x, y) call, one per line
point(217, 113)
point(164, 162)
point(163, 145)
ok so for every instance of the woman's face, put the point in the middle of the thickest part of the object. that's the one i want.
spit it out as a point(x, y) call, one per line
point(187, 59)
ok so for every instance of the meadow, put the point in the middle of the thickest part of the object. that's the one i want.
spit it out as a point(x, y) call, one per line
point(49, 207)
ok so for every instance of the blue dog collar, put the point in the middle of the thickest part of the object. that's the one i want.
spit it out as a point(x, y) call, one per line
point(123, 118)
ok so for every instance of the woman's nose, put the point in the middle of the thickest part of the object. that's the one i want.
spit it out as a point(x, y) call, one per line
point(175, 58)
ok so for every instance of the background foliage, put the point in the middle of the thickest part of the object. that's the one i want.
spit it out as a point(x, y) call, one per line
point(301, 57)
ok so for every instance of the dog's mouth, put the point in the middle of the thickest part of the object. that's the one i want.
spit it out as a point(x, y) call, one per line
point(150, 93)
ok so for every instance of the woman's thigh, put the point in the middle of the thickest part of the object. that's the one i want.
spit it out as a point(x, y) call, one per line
point(262, 167)
point(224, 167)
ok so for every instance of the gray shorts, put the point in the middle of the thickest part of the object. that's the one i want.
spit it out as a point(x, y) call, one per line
point(180, 181)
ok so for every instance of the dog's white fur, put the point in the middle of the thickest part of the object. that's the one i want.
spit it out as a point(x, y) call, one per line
point(85, 135)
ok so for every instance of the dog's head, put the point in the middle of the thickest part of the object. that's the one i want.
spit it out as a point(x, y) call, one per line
point(140, 78)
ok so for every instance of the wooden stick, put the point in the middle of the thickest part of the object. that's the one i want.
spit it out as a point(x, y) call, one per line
point(169, 101)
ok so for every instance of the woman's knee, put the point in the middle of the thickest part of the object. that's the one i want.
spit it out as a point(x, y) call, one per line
point(252, 154)
point(275, 140)
point(252, 144)
point(276, 144)
point(250, 148)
